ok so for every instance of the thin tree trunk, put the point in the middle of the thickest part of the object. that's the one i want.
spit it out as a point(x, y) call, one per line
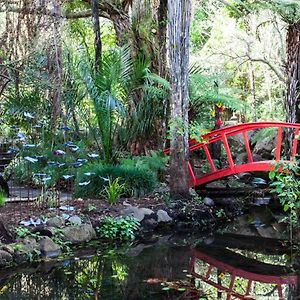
point(293, 73)
point(97, 40)
point(179, 27)
point(253, 90)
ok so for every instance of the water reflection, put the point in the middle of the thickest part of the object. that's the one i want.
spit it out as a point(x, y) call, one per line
point(223, 267)
point(224, 274)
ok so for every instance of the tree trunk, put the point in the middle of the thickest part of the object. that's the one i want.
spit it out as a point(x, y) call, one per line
point(97, 38)
point(162, 38)
point(179, 27)
point(55, 67)
point(252, 90)
point(293, 75)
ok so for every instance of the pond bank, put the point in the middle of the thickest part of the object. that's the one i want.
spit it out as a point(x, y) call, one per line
point(50, 233)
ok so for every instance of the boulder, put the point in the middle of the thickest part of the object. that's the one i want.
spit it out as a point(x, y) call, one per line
point(216, 185)
point(242, 158)
point(136, 212)
point(264, 147)
point(208, 201)
point(234, 183)
point(148, 225)
point(29, 245)
point(236, 143)
point(75, 220)
point(78, 234)
point(43, 231)
point(48, 248)
point(5, 258)
point(56, 221)
point(163, 216)
point(8, 248)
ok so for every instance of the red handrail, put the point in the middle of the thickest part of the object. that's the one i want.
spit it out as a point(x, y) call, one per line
point(222, 135)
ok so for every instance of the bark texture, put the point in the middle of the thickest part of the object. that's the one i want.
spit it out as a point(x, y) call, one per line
point(179, 27)
point(56, 68)
point(97, 35)
point(293, 76)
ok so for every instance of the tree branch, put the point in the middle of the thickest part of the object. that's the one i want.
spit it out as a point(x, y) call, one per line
point(279, 74)
point(44, 11)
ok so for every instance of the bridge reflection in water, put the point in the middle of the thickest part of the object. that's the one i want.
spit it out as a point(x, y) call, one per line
point(226, 274)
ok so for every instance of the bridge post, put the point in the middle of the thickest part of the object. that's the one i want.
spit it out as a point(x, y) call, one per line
point(227, 150)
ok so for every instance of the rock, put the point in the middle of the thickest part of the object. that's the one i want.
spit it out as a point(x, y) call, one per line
point(242, 158)
point(75, 220)
point(137, 213)
point(149, 225)
point(48, 248)
point(216, 185)
point(79, 234)
point(56, 221)
point(261, 201)
point(43, 231)
point(265, 147)
point(268, 232)
point(245, 177)
point(236, 143)
point(234, 183)
point(29, 245)
point(8, 248)
point(163, 216)
point(5, 258)
point(208, 201)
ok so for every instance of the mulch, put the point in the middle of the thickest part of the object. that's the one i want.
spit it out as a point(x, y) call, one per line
point(12, 213)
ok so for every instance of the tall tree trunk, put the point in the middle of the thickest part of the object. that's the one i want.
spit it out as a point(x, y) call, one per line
point(97, 38)
point(162, 38)
point(55, 67)
point(179, 28)
point(292, 99)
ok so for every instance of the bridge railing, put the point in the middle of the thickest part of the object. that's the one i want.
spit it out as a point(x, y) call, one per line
point(222, 135)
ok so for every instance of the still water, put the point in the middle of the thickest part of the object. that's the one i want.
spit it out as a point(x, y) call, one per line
point(242, 261)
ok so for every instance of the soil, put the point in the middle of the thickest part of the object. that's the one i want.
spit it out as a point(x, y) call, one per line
point(12, 213)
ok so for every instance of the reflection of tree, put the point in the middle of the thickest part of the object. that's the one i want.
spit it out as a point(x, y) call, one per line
point(76, 280)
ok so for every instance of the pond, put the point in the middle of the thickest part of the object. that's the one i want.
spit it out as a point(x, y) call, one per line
point(231, 263)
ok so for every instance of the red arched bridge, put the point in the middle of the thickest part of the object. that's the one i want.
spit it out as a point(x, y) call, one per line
point(222, 136)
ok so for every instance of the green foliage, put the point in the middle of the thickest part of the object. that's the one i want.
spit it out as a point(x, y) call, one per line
point(113, 190)
point(22, 232)
point(137, 180)
point(205, 91)
point(2, 198)
point(155, 162)
point(264, 133)
point(122, 229)
point(123, 92)
point(289, 10)
point(286, 185)
point(201, 25)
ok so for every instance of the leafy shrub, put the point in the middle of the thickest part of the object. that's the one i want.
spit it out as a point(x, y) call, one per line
point(122, 229)
point(137, 180)
point(156, 163)
point(286, 185)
